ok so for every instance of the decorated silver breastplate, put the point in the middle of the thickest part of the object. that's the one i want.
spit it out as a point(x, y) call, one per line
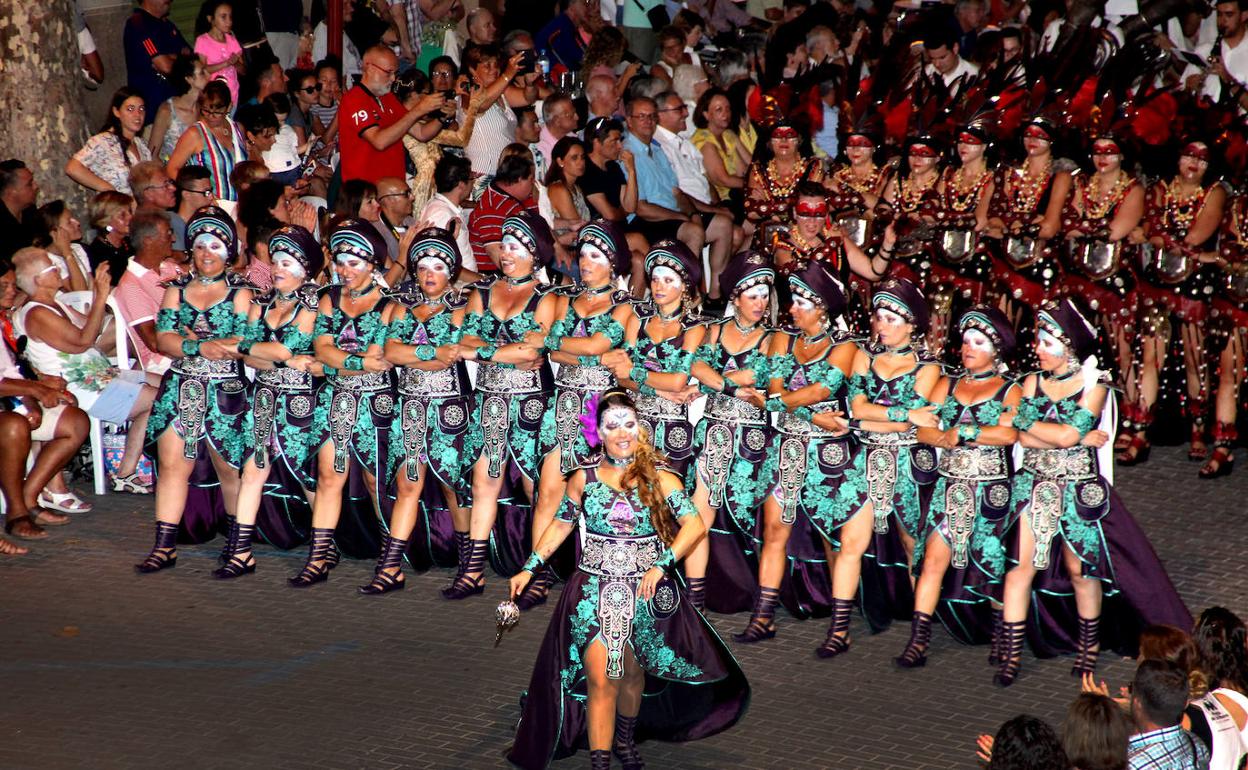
point(659, 408)
point(1073, 463)
point(619, 562)
point(792, 425)
point(368, 381)
point(589, 378)
point(500, 378)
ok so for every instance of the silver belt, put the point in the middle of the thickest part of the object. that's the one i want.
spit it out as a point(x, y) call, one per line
point(365, 381)
point(906, 438)
point(284, 378)
point(197, 366)
point(619, 557)
point(730, 409)
point(592, 378)
point(977, 463)
point(661, 408)
point(1070, 463)
point(792, 425)
point(500, 378)
point(438, 384)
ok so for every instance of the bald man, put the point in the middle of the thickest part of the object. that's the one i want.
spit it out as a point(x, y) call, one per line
point(395, 200)
point(482, 29)
point(374, 121)
point(604, 102)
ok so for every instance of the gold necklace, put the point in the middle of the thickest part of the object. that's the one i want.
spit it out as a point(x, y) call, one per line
point(1181, 209)
point(1027, 188)
point(1098, 204)
point(782, 189)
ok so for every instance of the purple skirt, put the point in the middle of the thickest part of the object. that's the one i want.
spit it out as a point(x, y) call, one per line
point(733, 565)
point(694, 686)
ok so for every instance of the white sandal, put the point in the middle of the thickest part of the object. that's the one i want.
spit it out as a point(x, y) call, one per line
point(131, 484)
point(64, 502)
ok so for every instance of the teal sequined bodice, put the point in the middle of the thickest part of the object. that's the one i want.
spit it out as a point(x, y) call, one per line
point(985, 414)
point(355, 334)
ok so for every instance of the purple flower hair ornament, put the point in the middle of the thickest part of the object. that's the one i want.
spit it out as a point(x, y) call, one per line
point(589, 421)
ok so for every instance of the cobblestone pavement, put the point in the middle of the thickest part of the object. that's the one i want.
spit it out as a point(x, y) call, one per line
point(109, 669)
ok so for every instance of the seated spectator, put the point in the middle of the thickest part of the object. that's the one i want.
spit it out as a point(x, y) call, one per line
point(723, 155)
point(507, 195)
point(1158, 698)
point(482, 27)
point(1095, 733)
point(259, 124)
point(671, 54)
point(38, 410)
point(110, 218)
point(394, 212)
point(216, 142)
point(1023, 743)
point(104, 161)
point(62, 231)
point(152, 186)
point(529, 88)
point(303, 94)
point(683, 155)
point(140, 291)
point(437, 19)
point(558, 120)
point(611, 192)
point(602, 97)
point(180, 111)
point(58, 345)
point(19, 221)
point(194, 187)
point(452, 180)
point(496, 123)
point(324, 112)
point(690, 81)
point(284, 158)
point(571, 212)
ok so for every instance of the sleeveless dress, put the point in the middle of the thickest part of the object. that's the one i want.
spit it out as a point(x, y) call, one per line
point(916, 240)
point(576, 383)
point(666, 421)
point(206, 403)
point(810, 466)
point(219, 159)
point(1065, 500)
point(1214, 725)
point(85, 373)
point(960, 277)
point(283, 437)
point(354, 413)
point(177, 127)
point(507, 413)
point(433, 430)
point(694, 687)
point(1031, 273)
point(731, 444)
point(969, 510)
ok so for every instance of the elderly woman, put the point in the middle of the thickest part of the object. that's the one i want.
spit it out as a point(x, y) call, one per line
point(199, 426)
point(111, 213)
point(215, 142)
point(496, 123)
point(104, 161)
point(63, 346)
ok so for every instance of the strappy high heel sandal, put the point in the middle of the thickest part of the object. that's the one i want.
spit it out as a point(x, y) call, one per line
point(1089, 637)
point(624, 747)
point(697, 593)
point(915, 654)
point(600, 759)
point(994, 649)
point(762, 624)
point(391, 559)
point(537, 590)
point(321, 550)
point(163, 555)
point(837, 641)
point(463, 586)
point(1011, 653)
point(239, 543)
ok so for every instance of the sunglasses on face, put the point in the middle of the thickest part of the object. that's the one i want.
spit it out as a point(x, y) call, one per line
point(311, 89)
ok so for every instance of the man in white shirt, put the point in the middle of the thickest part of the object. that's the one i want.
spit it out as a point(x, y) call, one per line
point(350, 54)
point(452, 180)
point(944, 60)
point(685, 159)
point(1228, 73)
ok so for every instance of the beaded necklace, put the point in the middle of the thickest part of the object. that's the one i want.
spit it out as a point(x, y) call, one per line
point(962, 197)
point(911, 197)
point(1027, 188)
point(1098, 204)
point(1181, 209)
point(847, 177)
point(783, 188)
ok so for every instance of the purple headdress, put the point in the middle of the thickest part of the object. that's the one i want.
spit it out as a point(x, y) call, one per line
point(589, 421)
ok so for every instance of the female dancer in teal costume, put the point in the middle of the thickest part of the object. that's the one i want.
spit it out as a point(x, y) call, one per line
point(423, 327)
point(1075, 537)
point(626, 655)
point(811, 449)
point(354, 406)
point(971, 499)
point(200, 420)
point(513, 393)
point(592, 316)
point(882, 498)
point(279, 348)
point(660, 343)
point(731, 440)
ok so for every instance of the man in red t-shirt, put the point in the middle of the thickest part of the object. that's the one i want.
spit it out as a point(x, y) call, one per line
point(374, 122)
point(509, 194)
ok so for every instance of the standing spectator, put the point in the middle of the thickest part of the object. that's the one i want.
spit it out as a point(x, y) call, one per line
point(571, 212)
point(496, 123)
point(216, 45)
point(151, 43)
point(558, 120)
point(180, 111)
point(946, 63)
point(61, 233)
point(639, 30)
point(684, 157)
point(90, 61)
point(452, 181)
point(1023, 743)
point(216, 142)
point(509, 194)
point(482, 29)
point(325, 110)
point(152, 186)
point(18, 220)
point(1230, 71)
point(270, 79)
point(969, 16)
point(194, 187)
point(110, 218)
point(351, 63)
point(1220, 638)
point(1158, 698)
point(281, 27)
point(527, 89)
point(564, 38)
point(104, 161)
point(375, 121)
point(720, 17)
point(528, 132)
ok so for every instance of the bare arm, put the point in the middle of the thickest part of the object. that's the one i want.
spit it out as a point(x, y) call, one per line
point(78, 171)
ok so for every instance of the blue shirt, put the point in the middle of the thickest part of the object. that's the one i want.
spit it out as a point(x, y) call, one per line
point(1170, 748)
point(826, 138)
point(656, 181)
point(144, 38)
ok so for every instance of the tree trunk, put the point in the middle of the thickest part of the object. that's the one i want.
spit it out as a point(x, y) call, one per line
point(44, 118)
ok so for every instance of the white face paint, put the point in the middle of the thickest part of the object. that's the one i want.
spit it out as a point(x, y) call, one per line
point(666, 274)
point(433, 265)
point(888, 317)
point(514, 246)
point(211, 244)
point(288, 265)
point(1051, 345)
point(620, 418)
point(760, 292)
point(803, 304)
point(595, 254)
point(977, 340)
point(352, 262)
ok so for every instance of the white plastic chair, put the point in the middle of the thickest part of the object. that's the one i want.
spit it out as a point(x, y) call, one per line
point(121, 336)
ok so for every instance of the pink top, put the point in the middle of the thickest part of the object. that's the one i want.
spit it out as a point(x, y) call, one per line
point(215, 53)
point(139, 295)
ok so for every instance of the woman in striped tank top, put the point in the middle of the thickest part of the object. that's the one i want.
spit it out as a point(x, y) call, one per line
point(215, 142)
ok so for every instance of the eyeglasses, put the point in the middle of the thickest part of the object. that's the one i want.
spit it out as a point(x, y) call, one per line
point(382, 69)
point(158, 186)
point(644, 116)
point(311, 89)
point(441, 74)
point(217, 113)
point(207, 192)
